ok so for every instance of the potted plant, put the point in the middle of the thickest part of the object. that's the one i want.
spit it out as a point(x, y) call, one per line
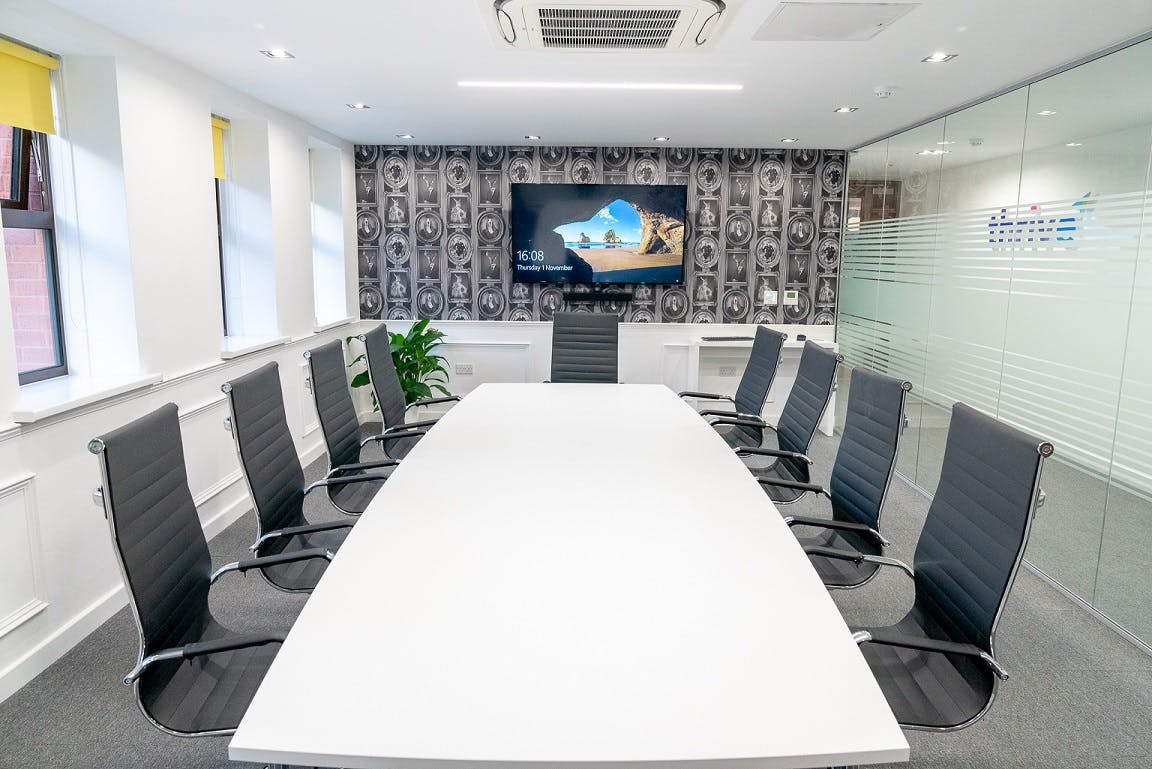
point(422, 373)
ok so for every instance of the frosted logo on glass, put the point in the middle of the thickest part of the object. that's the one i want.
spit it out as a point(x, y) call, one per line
point(1035, 229)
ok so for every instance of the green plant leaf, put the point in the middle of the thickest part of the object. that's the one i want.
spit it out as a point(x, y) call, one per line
point(361, 379)
point(417, 367)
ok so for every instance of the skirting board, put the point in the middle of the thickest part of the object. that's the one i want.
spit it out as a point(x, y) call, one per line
point(75, 630)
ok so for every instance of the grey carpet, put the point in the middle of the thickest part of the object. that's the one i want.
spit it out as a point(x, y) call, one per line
point(1080, 695)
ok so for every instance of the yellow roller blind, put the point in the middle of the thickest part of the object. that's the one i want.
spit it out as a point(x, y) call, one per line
point(219, 126)
point(26, 88)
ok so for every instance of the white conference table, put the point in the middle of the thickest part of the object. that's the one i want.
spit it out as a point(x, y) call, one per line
point(576, 574)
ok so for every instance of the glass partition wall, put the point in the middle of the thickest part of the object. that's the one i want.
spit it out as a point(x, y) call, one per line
point(1000, 256)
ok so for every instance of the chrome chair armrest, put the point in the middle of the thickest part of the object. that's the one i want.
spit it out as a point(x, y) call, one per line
point(354, 467)
point(733, 415)
point(753, 451)
point(344, 480)
point(706, 396)
point(756, 422)
point(385, 437)
point(799, 485)
point(828, 523)
point(294, 531)
point(433, 401)
point(408, 430)
point(247, 564)
point(858, 558)
point(886, 637)
point(200, 649)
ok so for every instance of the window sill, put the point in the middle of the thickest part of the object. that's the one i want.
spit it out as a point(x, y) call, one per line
point(68, 393)
point(333, 324)
point(236, 346)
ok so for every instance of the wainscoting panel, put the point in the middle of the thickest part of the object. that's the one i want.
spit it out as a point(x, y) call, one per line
point(433, 231)
point(20, 588)
point(470, 364)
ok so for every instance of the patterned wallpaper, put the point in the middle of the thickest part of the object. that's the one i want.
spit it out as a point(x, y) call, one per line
point(432, 225)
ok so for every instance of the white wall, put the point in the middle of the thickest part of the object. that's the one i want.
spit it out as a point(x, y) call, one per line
point(141, 284)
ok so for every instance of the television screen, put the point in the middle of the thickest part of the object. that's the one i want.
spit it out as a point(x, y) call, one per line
point(598, 233)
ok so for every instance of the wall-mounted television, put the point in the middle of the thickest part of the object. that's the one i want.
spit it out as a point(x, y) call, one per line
point(598, 233)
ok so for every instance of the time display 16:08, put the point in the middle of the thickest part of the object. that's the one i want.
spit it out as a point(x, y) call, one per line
point(529, 256)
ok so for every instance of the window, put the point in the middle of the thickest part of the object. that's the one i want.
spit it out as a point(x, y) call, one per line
point(328, 264)
point(29, 247)
point(219, 171)
point(246, 247)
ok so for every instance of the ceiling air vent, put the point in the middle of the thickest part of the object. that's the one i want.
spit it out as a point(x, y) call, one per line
point(607, 27)
point(618, 25)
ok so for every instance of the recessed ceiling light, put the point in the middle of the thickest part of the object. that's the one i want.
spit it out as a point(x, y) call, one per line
point(934, 152)
point(945, 144)
point(789, 141)
point(405, 136)
point(1074, 144)
point(938, 58)
point(278, 53)
point(359, 105)
point(661, 138)
point(532, 137)
point(1046, 112)
point(844, 110)
point(602, 86)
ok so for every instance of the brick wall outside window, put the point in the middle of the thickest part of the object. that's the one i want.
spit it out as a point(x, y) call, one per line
point(28, 253)
point(31, 301)
point(5, 159)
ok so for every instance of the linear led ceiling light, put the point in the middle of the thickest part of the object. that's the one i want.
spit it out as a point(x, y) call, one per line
point(602, 86)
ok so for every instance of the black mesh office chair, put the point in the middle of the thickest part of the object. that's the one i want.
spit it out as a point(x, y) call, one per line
point(754, 385)
point(399, 436)
point(861, 474)
point(815, 379)
point(585, 347)
point(937, 665)
point(193, 676)
point(341, 429)
point(275, 479)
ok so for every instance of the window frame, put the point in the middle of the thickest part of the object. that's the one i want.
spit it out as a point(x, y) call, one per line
point(15, 214)
point(17, 194)
point(220, 251)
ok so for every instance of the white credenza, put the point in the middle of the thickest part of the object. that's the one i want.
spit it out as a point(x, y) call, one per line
point(712, 366)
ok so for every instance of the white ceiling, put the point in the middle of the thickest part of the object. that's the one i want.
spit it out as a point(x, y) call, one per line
point(404, 57)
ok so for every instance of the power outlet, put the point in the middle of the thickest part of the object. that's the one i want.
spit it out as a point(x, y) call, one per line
point(463, 369)
point(730, 371)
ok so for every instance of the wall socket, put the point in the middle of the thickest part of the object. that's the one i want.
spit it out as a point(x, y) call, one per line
point(730, 371)
point(463, 369)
